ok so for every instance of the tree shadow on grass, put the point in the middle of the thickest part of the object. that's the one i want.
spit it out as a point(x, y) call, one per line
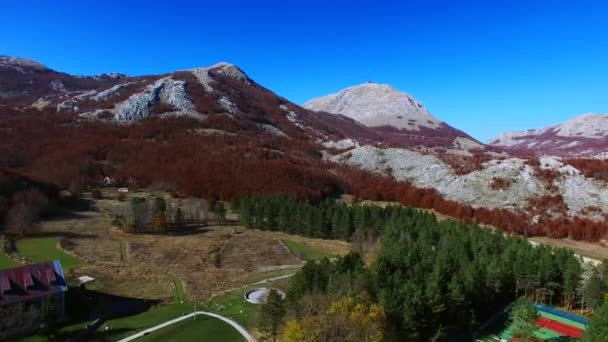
point(67, 235)
point(60, 214)
point(98, 307)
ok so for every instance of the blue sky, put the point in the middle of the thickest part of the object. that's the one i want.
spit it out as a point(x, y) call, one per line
point(482, 66)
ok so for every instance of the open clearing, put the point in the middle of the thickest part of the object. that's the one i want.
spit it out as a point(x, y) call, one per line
point(586, 249)
point(219, 262)
point(45, 249)
point(306, 252)
point(252, 250)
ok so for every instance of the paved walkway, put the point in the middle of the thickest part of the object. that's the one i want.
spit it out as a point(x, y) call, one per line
point(244, 332)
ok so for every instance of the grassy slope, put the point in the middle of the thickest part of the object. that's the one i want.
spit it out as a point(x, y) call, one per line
point(305, 252)
point(202, 329)
point(45, 249)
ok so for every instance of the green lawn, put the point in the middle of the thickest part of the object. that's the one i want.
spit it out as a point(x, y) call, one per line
point(204, 328)
point(234, 305)
point(306, 252)
point(231, 305)
point(228, 306)
point(6, 262)
point(161, 313)
point(45, 249)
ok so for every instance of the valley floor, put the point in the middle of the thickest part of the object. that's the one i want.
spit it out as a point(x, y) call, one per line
point(211, 266)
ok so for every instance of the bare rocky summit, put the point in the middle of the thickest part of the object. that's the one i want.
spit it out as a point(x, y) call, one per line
point(21, 64)
point(376, 105)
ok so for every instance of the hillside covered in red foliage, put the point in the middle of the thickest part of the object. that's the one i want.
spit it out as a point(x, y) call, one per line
point(261, 143)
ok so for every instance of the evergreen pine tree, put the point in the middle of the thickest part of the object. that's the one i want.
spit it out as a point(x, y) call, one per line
point(594, 291)
point(598, 326)
point(523, 319)
point(271, 314)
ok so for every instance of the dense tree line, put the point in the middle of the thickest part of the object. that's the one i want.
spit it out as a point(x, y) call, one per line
point(432, 278)
point(156, 214)
point(327, 219)
point(438, 277)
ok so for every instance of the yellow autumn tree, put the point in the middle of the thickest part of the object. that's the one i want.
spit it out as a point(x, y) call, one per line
point(363, 322)
point(160, 222)
point(345, 320)
point(294, 332)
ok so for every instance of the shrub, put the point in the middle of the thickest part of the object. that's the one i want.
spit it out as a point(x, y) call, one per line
point(96, 194)
point(500, 183)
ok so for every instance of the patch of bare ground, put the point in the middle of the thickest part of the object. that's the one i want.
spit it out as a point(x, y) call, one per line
point(191, 258)
point(87, 235)
point(253, 250)
point(128, 281)
point(586, 249)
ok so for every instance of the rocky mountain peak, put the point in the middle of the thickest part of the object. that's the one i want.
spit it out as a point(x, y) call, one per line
point(21, 64)
point(231, 70)
point(376, 105)
point(224, 68)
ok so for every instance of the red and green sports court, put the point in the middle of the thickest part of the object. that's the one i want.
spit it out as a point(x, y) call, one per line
point(555, 325)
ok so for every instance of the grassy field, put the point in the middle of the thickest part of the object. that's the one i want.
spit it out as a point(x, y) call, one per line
point(45, 249)
point(6, 262)
point(305, 252)
point(122, 327)
point(202, 329)
point(233, 305)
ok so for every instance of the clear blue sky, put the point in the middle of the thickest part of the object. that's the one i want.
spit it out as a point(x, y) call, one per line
point(482, 66)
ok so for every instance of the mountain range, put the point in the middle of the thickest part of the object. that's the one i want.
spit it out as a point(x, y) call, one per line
point(220, 115)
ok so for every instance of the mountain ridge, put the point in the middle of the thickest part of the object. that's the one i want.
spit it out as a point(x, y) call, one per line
point(585, 135)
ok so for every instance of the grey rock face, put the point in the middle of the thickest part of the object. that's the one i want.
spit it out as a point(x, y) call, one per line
point(106, 94)
point(376, 105)
point(166, 90)
point(57, 85)
point(427, 171)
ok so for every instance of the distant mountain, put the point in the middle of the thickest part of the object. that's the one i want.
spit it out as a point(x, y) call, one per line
point(373, 113)
point(398, 116)
point(222, 92)
point(377, 105)
point(585, 135)
point(214, 131)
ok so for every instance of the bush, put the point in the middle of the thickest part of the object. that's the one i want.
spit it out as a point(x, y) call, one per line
point(117, 221)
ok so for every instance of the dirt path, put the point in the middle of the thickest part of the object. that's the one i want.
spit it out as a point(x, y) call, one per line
point(263, 281)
